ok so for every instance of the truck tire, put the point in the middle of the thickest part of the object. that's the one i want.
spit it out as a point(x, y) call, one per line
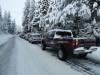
point(43, 46)
point(61, 55)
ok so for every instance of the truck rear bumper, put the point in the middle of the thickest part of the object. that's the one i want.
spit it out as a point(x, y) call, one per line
point(82, 50)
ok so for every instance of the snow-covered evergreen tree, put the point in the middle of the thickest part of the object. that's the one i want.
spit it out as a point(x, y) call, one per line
point(1, 19)
point(5, 18)
point(13, 27)
point(6, 24)
point(32, 14)
point(62, 13)
point(9, 22)
point(44, 7)
point(65, 14)
point(26, 16)
point(32, 10)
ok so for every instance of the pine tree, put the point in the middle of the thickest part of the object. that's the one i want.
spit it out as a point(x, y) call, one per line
point(0, 14)
point(13, 27)
point(9, 22)
point(31, 14)
point(44, 7)
point(6, 23)
point(5, 26)
point(1, 19)
point(26, 16)
point(32, 10)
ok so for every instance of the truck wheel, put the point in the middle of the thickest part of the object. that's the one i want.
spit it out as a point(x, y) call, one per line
point(61, 54)
point(43, 46)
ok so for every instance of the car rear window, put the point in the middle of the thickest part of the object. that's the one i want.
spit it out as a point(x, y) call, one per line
point(36, 35)
point(64, 34)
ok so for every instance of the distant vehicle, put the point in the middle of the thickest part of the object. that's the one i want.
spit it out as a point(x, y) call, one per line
point(34, 38)
point(65, 44)
point(22, 35)
point(26, 36)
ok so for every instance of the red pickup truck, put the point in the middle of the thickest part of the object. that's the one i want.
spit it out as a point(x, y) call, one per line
point(65, 44)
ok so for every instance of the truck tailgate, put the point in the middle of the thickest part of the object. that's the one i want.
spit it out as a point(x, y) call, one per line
point(86, 43)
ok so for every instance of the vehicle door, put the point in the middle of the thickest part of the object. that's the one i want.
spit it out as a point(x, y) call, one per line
point(50, 38)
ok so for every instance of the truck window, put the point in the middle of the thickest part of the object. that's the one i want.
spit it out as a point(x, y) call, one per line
point(64, 34)
point(51, 34)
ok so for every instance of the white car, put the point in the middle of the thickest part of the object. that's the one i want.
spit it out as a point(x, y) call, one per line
point(35, 38)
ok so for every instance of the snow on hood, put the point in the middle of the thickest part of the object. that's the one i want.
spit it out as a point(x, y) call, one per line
point(80, 48)
point(80, 38)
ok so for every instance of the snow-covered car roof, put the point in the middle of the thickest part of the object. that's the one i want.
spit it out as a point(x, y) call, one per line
point(60, 30)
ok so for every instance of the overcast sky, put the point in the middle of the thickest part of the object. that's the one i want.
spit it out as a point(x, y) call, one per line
point(15, 7)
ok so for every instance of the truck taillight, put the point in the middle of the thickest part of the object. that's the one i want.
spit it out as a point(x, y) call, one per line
point(77, 41)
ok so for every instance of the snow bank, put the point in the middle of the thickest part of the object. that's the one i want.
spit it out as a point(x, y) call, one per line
point(6, 46)
point(4, 38)
point(95, 56)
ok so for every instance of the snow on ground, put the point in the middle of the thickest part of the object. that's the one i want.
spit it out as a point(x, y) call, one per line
point(29, 59)
point(5, 53)
point(4, 37)
point(95, 56)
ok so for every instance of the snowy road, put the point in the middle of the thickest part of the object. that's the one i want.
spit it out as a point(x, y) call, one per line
point(22, 58)
point(18, 57)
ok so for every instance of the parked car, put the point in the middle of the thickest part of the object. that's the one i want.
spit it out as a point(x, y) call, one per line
point(35, 38)
point(22, 35)
point(65, 44)
point(27, 36)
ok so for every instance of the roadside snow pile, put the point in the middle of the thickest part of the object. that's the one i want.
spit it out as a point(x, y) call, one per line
point(4, 38)
point(95, 56)
point(6, 49)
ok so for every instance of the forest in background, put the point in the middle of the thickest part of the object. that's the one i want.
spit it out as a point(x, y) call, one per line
point(80, 16)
